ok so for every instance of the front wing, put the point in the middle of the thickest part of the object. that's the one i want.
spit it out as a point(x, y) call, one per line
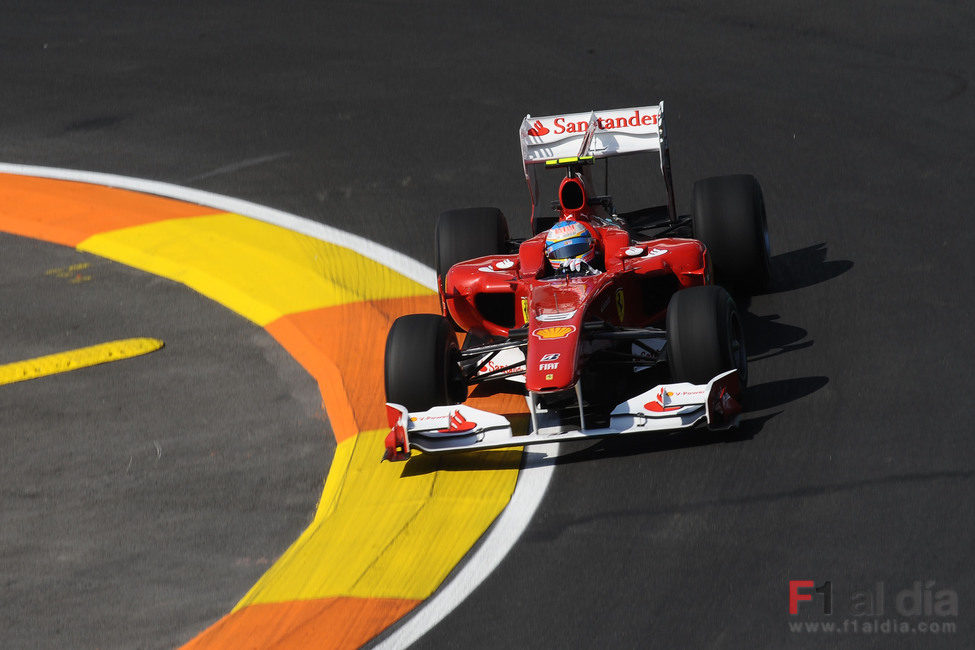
point(665, 407)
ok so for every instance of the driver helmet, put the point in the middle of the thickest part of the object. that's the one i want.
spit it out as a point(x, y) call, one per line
point(569, 240)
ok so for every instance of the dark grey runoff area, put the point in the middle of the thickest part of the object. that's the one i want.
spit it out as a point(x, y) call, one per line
point(854, 465)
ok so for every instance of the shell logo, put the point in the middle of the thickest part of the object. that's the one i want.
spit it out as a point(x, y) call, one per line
point(558, 332)
point(657, 407)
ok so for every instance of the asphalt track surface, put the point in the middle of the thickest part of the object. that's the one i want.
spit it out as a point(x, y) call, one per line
point(854, 464)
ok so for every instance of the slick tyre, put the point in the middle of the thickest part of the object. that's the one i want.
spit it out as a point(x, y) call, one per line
point(421, 368)
point(704, 335)
point(462, 235)
point(729, 217)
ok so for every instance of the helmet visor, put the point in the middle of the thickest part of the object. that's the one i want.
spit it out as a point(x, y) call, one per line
point(570, 248)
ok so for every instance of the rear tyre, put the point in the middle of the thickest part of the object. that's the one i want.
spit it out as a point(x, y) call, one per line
point(462, 235)
point(421, 368)
point(704, 335)
point(729, 217)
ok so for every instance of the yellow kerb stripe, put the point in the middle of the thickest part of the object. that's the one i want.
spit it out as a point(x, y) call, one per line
point(75, 359)
point(259, 270)
point(383, 533)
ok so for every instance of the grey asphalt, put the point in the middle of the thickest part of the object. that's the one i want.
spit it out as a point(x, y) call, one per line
point(854, 465)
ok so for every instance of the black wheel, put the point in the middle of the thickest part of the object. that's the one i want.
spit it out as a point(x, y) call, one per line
point(462, 235)
point(729, 217)
point(704, 335)
point(421, 363)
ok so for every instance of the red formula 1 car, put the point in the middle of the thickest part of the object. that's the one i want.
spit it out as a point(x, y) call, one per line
point(609, 323)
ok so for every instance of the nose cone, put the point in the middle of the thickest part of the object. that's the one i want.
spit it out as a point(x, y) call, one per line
point(551, 359)
point(556, 313)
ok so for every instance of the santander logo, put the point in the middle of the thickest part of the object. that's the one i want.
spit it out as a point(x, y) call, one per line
point(657, 405)
point(538, 129)
point(560, 125)
point(457, 424)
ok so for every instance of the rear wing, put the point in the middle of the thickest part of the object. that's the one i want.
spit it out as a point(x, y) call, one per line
point(578, 138)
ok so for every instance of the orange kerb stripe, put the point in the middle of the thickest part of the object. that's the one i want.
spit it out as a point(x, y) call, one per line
point(340, 622)
point(67, 213)
point(342, 347)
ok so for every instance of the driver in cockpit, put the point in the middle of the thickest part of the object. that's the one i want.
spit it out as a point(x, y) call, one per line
point(570, 247)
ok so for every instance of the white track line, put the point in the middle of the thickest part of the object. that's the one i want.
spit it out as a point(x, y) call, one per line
point(533, 480)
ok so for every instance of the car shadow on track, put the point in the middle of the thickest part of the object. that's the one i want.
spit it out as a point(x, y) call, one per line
point(804, 267)
point(463, 461)
point(767, 336)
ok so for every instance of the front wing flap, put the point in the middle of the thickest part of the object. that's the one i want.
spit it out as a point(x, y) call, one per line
point(665, 407)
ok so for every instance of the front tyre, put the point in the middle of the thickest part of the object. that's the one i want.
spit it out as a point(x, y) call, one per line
point(729, 217)
point(704, 335)
point(421, 367)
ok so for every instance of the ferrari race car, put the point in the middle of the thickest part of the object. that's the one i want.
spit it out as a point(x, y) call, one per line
point(607, 323)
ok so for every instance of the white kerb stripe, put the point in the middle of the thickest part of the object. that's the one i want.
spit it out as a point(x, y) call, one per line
point(397, 261)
